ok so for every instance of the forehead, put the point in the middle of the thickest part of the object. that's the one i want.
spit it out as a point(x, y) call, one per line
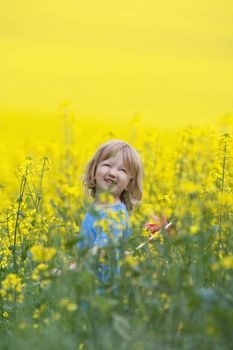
point(115, 157)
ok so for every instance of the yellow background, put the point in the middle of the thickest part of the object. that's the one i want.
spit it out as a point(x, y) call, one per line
point(168, 61)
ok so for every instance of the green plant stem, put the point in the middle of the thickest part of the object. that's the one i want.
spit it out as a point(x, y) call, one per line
point(39, 194)
point(222, 190)
point(20, 199)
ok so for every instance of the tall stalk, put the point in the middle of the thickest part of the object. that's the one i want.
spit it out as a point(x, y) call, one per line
point(39, 193)
point(224, 166)
point(224, 152)
point(19, 200)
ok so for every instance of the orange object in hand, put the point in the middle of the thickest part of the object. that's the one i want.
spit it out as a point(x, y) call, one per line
point(159, 224)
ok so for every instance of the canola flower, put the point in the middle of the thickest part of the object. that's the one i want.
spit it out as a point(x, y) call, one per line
point(184, 272)
point(40, 253)
point(68, 305)
point(12, 288)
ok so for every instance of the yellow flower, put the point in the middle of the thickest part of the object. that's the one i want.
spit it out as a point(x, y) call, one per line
point(5, 314)
point(227, 262)
point(4, 262)
point(181, 326)
point(2, 293)
point(194, 229)
point(114, 215)
point(40, 271)
point(40, 253)
point(12, 281)
point(10, 285)
point(39, 311)
point(166, 300)
point(46, 321)
point(107, 198)
point(71, 307)
point(147, 209)
point(45, 283)
point(56, 316)
point(210, 330)
point(22, 326)
point(37, 252)
point(214, 266)
point(132, 261)
point(68, 305)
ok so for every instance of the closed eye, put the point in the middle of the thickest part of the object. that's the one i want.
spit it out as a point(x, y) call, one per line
point(106, 164)
point(124, 170)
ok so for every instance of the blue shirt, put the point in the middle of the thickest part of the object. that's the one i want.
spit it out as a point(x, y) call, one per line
point(103, 226)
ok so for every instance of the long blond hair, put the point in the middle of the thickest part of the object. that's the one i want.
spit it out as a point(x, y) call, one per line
point(133, 194)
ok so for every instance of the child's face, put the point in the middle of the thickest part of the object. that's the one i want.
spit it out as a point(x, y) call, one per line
point(112, 175)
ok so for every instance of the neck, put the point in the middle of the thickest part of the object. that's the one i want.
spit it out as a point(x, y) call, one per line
point(106, 203)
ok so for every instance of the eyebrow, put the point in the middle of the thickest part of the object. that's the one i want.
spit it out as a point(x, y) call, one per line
point(109, 161)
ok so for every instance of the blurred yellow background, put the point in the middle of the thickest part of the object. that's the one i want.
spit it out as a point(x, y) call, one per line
point(168, 61)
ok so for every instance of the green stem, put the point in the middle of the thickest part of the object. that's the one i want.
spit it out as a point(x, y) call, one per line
point(34, 202)
point(222, 190)
point(20, 199)
point(39, 197)
point(223, 167)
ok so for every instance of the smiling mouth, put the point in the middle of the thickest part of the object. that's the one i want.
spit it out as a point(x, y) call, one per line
point(110, 181)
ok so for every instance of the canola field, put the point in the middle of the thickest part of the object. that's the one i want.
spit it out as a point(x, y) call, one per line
point(173, 293)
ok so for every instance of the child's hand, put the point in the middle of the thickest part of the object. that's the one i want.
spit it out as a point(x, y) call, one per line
point(93, 250)
point(128, 252)
point(159, 224)
point(73, 266)
point(56, 272)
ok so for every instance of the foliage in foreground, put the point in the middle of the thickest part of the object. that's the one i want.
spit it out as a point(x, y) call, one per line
point(174, 293)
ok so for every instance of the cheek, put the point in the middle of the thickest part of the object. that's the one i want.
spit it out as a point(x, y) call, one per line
point(125, 181)
point(99, 173)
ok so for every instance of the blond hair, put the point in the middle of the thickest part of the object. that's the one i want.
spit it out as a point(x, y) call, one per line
point(133, 194)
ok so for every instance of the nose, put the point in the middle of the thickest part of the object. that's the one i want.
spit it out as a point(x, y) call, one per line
point(112, 173)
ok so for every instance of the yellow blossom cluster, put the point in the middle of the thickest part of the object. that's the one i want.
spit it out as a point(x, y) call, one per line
point(41, 253)
point(68, 305)
point(43, 203)
point(225, 262)
point(12, 288)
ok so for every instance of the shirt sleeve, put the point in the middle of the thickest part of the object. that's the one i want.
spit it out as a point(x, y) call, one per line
point(128, 231)
point(94, 233)
point(88, 233)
